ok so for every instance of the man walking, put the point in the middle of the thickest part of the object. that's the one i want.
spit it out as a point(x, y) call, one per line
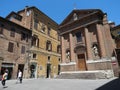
point(20, 76)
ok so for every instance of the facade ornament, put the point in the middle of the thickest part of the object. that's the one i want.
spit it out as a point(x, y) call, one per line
point(68, 55)
point(95, 50)
point(75, 17)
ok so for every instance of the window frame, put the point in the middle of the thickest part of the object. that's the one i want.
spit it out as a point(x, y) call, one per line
point(10, 47)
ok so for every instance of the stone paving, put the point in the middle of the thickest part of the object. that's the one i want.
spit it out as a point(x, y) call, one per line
point(56, 84)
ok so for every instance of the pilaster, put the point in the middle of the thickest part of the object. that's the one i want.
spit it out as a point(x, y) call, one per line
point(63, 49)
point(72, 54)
point(88, 44)
point(101, 41)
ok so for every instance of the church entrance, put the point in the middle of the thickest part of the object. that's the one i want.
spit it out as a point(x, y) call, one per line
point(81, 62)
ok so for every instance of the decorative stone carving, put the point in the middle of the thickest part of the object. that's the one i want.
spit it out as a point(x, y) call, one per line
point(68, 55)
point(75, 17)
point(95, 50)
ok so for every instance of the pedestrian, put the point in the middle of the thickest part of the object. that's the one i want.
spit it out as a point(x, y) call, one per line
point(4, 78)
point(20, 76)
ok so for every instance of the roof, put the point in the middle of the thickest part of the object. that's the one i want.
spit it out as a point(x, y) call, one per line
point(13, 13)
point(116, 27)
point(88, 11)
point(115, 31)
point(5, 20)
point(33, 7)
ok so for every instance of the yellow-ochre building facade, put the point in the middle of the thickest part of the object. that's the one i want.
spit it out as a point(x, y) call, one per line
point(44, 54)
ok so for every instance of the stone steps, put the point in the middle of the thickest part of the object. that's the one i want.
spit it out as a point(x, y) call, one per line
point(85, 75)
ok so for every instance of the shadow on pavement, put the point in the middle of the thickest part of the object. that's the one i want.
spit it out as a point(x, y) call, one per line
point(5, 87)
point(112, 85)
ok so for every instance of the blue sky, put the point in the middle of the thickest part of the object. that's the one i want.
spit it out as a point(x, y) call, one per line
point(59, 9)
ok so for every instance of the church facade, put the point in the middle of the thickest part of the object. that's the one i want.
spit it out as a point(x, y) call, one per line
point(86, 42)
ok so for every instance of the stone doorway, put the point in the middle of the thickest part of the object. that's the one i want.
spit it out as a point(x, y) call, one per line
point(32, 71)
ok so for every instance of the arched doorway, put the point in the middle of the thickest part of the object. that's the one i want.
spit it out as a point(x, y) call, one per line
point(32, 71)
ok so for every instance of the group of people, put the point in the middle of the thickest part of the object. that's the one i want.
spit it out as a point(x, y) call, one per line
point(5, 75)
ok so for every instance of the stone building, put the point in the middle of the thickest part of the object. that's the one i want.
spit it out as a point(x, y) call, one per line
point(115, 31)
point(44, 54)
point(86, 42)
point(15, 40)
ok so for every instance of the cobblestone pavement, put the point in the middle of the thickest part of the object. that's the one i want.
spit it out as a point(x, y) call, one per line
point(55, 84)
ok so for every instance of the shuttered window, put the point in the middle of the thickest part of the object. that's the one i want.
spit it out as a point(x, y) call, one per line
point(23, 50)
point(12, 33)
point(10, 47)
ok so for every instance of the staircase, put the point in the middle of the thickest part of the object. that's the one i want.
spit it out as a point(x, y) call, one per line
point(101, 74)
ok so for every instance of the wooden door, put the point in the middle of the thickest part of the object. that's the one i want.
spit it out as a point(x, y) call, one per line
point(81, 62)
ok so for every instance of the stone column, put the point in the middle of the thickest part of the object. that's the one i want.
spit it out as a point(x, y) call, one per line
point(101, 41)
point(15, 71)
point(63, 49)
point(72, 54)
point(88, 44)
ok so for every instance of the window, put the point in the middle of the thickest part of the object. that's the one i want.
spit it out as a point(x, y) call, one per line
point(43, 29)
point(48, 58)
point(59, 60)
point(34, 55)
point(23, 50)
point(79, 37)
point(36, 24)
point(17, 17)
point(49, 46)
point(35, 41)
point(12, 33)
point(23, 36)
point(10, 47)
point(1, 28)
point(49, 29)
point(58, 49)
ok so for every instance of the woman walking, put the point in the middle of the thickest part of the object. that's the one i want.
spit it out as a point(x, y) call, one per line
point(4, 78)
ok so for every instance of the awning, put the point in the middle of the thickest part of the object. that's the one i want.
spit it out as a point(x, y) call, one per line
point(7, 65)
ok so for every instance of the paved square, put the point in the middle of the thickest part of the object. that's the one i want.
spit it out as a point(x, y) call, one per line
point(55, 84)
